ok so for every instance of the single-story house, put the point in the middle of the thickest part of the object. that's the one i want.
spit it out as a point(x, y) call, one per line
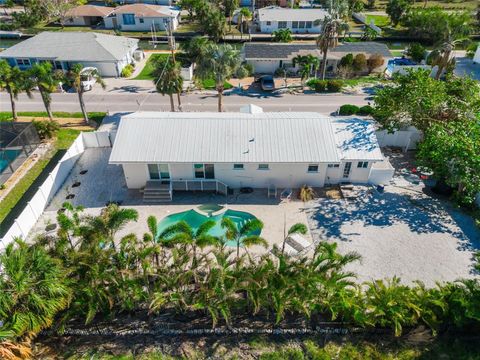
point(142, 17)
point(268, 57)
point(108, 53)
point(151, 2)
point(87, 15)
point(246, 149)
point(301, 21)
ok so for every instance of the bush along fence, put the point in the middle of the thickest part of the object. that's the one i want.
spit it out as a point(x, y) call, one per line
point(45, 193)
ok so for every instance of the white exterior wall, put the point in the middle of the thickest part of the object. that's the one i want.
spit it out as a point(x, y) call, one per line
point(138, 26)
point(273, 26)
point(476, 57)
point(76, 21)
point(264, 66)
point(280, 175)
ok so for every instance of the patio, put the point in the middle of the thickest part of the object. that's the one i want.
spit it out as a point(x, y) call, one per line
point(103, 183)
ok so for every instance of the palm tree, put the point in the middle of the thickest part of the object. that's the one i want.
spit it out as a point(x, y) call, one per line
point(14, 82)
point(245, 15)
point(47, 82)
point(110, 221)
point(152, 238)
point(244, 235)
point(183, 233)
point(309, 65)
point(327, 39)
point(33, 289)
point(297, 228)
point(195, 48)
point(168, 79)
point(220, 63)
point(74, 79)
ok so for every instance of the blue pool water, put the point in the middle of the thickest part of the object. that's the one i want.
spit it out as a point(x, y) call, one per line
point(195, 219)
point(6, 157)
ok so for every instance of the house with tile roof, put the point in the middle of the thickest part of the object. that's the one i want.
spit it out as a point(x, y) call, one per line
point(87, 15)
point(143, 17)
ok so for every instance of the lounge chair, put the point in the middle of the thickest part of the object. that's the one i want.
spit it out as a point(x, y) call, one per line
point(298, 242)
point(286, 194)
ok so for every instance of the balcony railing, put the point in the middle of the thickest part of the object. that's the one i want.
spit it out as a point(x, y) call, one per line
point(199, 185)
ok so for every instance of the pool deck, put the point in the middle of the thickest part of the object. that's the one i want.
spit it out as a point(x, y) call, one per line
point(104, 182)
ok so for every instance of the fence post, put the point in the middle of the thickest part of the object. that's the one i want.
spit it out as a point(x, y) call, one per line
point(21, 230)
point(36, 216)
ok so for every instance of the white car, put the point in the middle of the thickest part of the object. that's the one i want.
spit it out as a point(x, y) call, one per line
point(87, 77)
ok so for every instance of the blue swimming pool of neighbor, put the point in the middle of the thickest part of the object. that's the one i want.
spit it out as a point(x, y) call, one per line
point(195, 219)
point(6, 157)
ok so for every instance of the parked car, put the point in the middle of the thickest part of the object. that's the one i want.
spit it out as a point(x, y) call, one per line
point(267, 83)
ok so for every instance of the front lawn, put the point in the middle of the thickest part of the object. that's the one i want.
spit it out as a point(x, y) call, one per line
point(95, 116)
point(210, 84)
point(147, 71)
point(379, 20)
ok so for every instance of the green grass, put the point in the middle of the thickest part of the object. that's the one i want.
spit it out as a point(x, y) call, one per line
point(147, 71)
point(369, 79)
point(96, 116)
point(445, 4)
point(379, 20)
point(64, 139)
point(209, 84)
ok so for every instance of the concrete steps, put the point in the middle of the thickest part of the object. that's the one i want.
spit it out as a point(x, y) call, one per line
point(156, 192)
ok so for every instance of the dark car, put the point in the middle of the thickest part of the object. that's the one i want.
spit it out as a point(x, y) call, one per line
point(267, 83)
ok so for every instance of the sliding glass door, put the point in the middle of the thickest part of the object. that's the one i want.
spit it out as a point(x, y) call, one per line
point(204, 171)
point(158, 171)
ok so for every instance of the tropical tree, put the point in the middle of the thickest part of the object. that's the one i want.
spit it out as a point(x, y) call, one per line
point(369, 34)
point(245, 235)
point(14, 81)
point(110, 221)
point(220, 62)
point(442, 56)
point(397, 10)
point(194, 48)
point(34, 288)
point(327, 39)
point(297, 228)
point(183, 233)
point(74, 78)
point(230, 6)
point(309, 65)
point(47, 82)
point(168, 79)
point(282, 35)
point(245, 16)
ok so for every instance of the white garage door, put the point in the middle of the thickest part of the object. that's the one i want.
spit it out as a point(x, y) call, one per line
point(265, 66)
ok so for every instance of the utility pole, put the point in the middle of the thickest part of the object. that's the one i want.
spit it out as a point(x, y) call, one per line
point(172, 46)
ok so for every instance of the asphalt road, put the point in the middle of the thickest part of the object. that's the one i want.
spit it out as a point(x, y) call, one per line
point(325, 103)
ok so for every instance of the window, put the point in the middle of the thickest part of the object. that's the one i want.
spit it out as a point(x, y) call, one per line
point(282, 24)
point(333, 165)
point(140, 20)
point(199, 170)
point(23, 62)
point(308, 24)
point(263, 167)
point(295, 24)
point(128, 19)
point(158, 171)
point(362, 164)
point(269, 23)
point(237, 166)
point(346, 170)
point(301, 24)
point(312, 168)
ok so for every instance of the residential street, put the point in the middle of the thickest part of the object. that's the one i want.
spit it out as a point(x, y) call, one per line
point(133, 101)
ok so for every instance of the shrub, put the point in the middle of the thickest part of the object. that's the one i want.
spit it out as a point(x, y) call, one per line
point(46, 129)
point(416, 51)
point(365, 110)
point(348, 109)
point(359, 62)
point(334, 85)
point(280, 72)
point(375, 61)
point(306, 193)
point(127, 71)
point(347, 60)
point(249, 68)
point(471, 49)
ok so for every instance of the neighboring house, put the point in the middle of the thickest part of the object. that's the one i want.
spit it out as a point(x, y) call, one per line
point(272, 18)
point(108, 53)
point(246, 149)
point(476, 57)
point(87, 15)
point(143, 17)
point(151, 2)
point(268, 57)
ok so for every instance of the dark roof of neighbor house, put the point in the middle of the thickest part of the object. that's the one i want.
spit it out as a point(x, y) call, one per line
point(72, 46)
point(367, 47)
point(284, 51)
point(275, 51)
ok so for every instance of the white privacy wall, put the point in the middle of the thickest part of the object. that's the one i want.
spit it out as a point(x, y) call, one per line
point(45, 193)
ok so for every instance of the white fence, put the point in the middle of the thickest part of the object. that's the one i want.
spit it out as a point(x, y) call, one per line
point(381, 173)
point(45, 193)
point(362, 18)
point(405, 139)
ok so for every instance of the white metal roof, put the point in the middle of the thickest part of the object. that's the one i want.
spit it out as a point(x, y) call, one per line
point(275, 13)
point(356, 139)
point(154, 137)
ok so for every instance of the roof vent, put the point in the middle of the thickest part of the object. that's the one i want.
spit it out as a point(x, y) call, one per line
point(251, 109)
